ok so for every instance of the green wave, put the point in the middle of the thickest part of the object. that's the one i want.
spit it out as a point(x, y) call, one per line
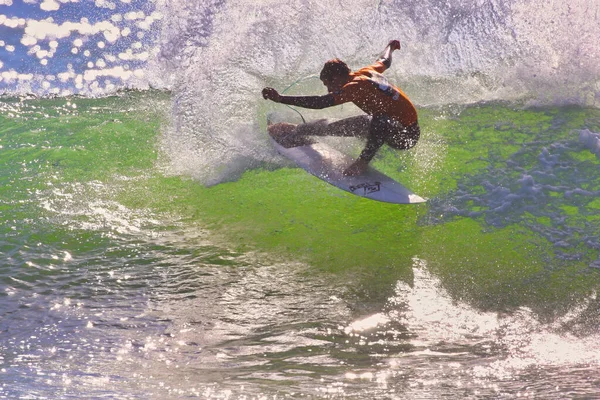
point(492, 259)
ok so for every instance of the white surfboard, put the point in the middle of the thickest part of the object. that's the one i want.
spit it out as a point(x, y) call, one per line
point(328, 164)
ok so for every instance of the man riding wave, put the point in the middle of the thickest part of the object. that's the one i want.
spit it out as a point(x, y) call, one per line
point(390, 118)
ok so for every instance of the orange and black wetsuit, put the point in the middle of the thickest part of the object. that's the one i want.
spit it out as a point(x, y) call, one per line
point(393, 116)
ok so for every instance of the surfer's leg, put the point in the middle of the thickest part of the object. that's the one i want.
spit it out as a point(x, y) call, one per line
point(348, 127)
point(292, 136)
point(388, 130)
point(379, 130)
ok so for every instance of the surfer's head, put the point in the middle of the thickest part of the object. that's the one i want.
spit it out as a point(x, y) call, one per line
point(335, 74)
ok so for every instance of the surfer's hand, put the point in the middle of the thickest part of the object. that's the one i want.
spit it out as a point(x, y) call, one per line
point(394, 44)
point(357, 168)
point(271, 94)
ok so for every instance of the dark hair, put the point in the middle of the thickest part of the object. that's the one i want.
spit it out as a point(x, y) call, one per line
point(335, 67)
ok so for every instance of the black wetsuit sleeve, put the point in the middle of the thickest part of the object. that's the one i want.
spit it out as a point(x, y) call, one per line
point(314, 102)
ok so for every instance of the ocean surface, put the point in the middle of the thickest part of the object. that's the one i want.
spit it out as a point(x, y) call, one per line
point(154, 246)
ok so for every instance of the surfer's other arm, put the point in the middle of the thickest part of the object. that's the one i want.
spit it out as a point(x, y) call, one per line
point(386, 57)
point(314, 102)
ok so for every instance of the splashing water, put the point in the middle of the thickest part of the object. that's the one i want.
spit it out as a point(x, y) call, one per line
point(459, 52)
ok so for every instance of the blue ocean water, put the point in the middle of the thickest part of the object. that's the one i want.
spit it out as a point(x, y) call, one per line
point(154, 245)
point(63, 48)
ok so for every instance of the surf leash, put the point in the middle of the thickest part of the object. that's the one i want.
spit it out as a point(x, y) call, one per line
point(297, 81)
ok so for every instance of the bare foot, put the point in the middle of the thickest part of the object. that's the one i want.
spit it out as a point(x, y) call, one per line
point(281, 129)
point(285, 134)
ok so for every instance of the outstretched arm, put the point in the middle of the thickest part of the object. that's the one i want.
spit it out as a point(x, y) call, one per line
point(314, 102)
point(386, 56)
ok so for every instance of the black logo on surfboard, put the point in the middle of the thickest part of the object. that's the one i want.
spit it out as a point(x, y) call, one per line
point(367, 188)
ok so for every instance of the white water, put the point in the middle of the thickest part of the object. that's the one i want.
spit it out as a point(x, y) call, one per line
point(453, 52)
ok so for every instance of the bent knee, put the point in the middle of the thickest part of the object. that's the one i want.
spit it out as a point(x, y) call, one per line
point(405, 139)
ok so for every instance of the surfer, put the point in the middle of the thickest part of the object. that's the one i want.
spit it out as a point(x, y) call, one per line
point(390, 116)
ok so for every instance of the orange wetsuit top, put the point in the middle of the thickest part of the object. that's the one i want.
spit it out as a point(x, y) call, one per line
point(373, 94)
